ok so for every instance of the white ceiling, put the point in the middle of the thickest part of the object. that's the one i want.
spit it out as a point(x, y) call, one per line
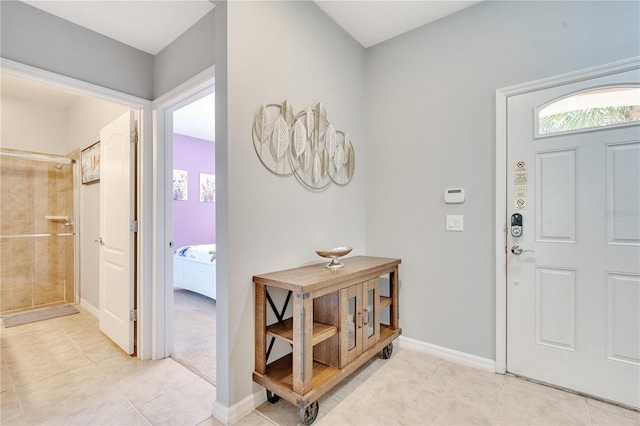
point(151, 25)
point(373, 22)
point(147, 25)
point(197, 119)
point(35, 92)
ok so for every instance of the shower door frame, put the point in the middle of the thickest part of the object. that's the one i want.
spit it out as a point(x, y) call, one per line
point(50, 158)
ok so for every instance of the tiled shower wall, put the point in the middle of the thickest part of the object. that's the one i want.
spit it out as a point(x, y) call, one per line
point(35, 271)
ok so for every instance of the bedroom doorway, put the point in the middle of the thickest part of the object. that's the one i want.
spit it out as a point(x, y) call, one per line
point(194, 235)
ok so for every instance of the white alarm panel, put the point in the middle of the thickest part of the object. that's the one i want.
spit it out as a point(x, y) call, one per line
point(454, 195)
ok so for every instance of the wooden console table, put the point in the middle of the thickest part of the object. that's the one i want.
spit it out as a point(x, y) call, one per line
point(335, 327)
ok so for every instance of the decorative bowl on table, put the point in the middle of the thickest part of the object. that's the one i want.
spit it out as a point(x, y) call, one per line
point(334, 254)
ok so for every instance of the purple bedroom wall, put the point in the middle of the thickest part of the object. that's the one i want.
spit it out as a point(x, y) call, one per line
point(194, 222)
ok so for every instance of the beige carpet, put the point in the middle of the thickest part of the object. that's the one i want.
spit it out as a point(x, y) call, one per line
point(194, 331)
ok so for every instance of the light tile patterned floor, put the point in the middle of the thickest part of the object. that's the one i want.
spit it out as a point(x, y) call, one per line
point(65, 372)
point(412, 388)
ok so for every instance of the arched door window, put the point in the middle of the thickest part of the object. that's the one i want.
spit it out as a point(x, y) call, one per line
point(602, 107)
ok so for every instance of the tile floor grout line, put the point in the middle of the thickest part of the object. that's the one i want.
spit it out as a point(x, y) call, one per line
point(406, 408)
point(264, 417)
point(497, 408)
point(15, 391)
point(133, 405)
point(586, 400)
point(73, 340)
point(421, 389)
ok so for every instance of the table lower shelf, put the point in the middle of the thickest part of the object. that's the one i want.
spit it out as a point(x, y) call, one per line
point(280, 371)
point(279, 376)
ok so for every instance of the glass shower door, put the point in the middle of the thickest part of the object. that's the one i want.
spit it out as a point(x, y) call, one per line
point(37, 238)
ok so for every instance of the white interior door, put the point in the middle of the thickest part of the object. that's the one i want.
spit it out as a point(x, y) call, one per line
point(117, 211)
point(573, 293)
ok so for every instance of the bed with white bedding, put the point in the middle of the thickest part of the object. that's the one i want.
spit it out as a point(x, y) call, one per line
point(194, 268)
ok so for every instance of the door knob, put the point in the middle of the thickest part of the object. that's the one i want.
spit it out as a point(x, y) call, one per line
point(517, 250)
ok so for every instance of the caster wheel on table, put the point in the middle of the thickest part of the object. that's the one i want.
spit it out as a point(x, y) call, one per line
point(309, 414)
point(387, 351)
point(272, 397)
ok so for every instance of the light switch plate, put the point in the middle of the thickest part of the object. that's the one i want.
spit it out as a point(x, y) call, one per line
point(454, 222)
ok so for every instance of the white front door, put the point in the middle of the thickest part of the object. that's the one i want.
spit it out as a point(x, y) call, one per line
point(117, 211)
point(573, 293)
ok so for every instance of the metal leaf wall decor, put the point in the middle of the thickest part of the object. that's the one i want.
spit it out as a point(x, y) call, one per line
point(305, 145)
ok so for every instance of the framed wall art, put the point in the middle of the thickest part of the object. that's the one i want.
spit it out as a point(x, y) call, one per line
point(207, 188)
point(180, 188)
point(90, 163)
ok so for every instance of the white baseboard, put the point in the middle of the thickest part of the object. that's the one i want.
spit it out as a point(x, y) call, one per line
point(233, 414)
point(259, 397)
point(220, 413)
point(90, 308)
point(447, 354)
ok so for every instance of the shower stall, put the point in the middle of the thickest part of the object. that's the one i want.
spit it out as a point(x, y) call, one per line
point(38, 242)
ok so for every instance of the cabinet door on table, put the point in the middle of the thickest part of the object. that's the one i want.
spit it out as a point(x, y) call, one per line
point(370, 298)
point(360, 326)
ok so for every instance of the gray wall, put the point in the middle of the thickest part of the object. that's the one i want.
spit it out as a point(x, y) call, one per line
point(33, 37)
point(223, 356)
point(277, 51)
point(186, 56)
point(430, 115)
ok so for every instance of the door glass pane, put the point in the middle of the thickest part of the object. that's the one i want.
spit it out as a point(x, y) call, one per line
point(588, 110)
point(370, 313)
point(351, 325)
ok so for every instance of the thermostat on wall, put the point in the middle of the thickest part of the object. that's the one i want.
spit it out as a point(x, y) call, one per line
point(453, 195)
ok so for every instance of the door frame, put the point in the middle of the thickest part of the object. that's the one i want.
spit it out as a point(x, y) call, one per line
point(501, 173)
point(163, 108)
point(145, 288)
